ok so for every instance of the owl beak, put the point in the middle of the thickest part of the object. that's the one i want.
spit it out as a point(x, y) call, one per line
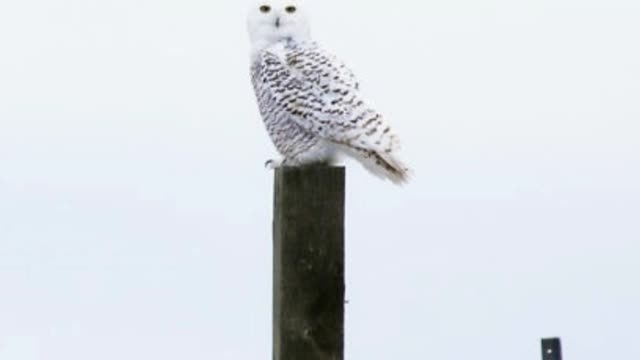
point(277, 22)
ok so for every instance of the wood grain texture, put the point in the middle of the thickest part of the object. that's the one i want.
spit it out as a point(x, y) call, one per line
point(308, 263)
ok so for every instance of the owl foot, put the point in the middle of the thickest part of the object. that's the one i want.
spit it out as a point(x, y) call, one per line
point(272, 164)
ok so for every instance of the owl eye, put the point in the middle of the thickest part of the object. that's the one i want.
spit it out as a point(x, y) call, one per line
point(290, 9)
point(265, 8)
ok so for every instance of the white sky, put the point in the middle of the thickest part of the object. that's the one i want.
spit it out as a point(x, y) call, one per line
point(135, 212)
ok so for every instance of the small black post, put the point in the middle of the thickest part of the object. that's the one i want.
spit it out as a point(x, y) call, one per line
point(551, 349)
point(308, 263)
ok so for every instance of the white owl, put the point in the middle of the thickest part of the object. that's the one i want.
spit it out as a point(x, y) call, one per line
point(310, 101)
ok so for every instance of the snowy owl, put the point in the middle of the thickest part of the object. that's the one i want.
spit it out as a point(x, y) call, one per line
point(310, 101)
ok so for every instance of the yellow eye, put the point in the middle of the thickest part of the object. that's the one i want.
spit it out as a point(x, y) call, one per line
point(290, 9)
point(265, 8)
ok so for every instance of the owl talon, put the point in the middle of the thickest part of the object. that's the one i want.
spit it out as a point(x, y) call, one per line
point(272, 164)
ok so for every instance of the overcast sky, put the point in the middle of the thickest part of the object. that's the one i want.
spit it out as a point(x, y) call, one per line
point(135, 212)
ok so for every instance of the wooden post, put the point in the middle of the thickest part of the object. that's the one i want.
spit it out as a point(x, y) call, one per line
point(308, 263)
point(551, 349)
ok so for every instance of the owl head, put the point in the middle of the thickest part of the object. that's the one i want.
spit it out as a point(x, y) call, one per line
point(271, 21)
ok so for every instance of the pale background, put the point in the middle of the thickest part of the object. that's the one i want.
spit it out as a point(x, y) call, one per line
point(135, 212)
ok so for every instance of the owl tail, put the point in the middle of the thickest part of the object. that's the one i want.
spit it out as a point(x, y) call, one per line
point(387, 165)
point(384, 165)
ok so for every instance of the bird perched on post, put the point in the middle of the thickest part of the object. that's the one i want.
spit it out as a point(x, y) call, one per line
point(310, 101)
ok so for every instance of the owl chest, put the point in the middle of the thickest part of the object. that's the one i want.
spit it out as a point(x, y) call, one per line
point(282, 129)
point(272, 108)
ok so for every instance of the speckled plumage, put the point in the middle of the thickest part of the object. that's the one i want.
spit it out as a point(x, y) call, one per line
point(310, 101)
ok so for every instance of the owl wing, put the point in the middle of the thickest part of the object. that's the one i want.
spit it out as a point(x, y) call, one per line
point(313, 88)
point(320, 94)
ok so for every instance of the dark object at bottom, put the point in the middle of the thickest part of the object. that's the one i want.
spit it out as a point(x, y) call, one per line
point(551, 349)
point(308, 263)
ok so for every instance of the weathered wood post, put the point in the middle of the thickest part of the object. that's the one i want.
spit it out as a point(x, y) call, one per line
point(551, 349)
point(308, 263)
